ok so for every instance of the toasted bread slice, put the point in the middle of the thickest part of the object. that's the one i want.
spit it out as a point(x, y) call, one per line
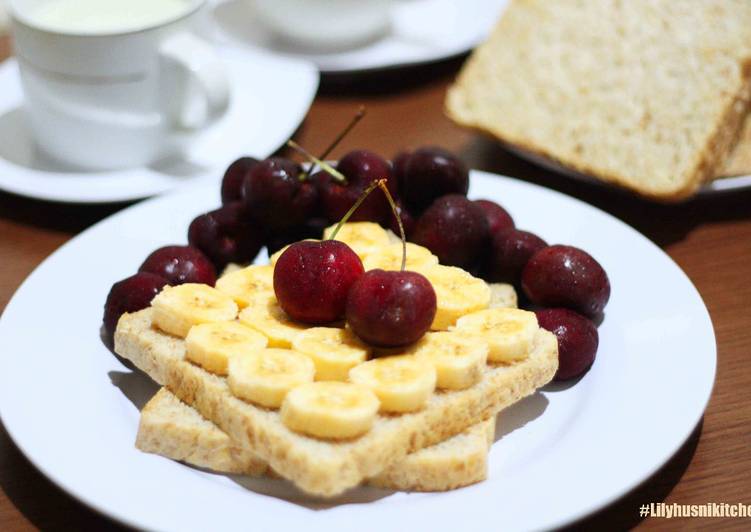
point(174, 430)
point(324, 467)
point(649, 95)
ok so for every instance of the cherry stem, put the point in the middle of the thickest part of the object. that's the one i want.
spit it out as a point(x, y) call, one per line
point(395, 210)
point(354, 207)
point(336, 174)
point(358, 116)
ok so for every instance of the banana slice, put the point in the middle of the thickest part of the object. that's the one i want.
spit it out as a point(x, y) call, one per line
point(402, 383)
point(457, 292)
point(330, 409)
point(178, 308)
point(211, 345)
point(502, 295)
point(275, 257)
point(333, 351)
point(364, 238)
point(265, 377)
point(508, 331)
point(458, 359)
point(246, 285)
point(390, 257)
point(270, 320)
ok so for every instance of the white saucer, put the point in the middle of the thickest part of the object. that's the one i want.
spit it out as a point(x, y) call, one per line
point(270, 97)
point(422, 31)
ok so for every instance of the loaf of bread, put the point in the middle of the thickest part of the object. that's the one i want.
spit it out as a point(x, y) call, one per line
point(646, 94)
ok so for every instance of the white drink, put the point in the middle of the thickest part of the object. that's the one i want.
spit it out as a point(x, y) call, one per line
point(106, 16)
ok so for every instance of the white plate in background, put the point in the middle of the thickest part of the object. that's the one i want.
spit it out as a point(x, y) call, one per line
point(270, 97)
point(422, 31)
point(563, 453)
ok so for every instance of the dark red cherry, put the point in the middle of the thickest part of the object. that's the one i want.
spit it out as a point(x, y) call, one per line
point(226, 235)
point(132, 294)
point(577, 340)
point(312, 229)
point(566, 276)
point(180, 264)
point(232, 182)
point(275, 196)
point(498, 218)
point(454, 229)
point(391, 308)
point(312, 280)
point(511, 249)
point(430, 173)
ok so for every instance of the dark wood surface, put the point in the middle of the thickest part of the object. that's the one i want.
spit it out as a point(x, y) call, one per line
point(709, 238)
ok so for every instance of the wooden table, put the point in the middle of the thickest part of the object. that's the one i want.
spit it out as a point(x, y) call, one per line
point(709, 238)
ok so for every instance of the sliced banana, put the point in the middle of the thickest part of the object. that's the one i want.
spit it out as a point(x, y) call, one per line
point(246, 285)
point(457, 293)
point(509, 332)
point(211, 345)
point(275, 257)
point(390, 258)
point(270, 320)
point(178, 308)
point(458, 359)
point(330, 409)
point(265, 377)
point(333, 351)
point(502, 295)
point(364, 238)
point(401, 383)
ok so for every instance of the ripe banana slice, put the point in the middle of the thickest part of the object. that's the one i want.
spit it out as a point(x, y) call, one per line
point(402, 383)
point(502, 295)
point(333, 351)
point(364, 238)
point(270, 320)
point(509, 332)
point(457, 293)
point(265, 377)
point(330, 409)
point(390, 257)
point(458, 359)
point(178, 308)
point(246, 285)
point(275, 257)
point(211, 345)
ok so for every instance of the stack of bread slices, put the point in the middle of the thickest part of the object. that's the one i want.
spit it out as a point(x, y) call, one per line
point(650, 95)
point(198, 418)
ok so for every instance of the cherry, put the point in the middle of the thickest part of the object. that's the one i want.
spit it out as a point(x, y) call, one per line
point(577, 340)
point(226, 235)
point(312, 229)
point(566, 276)
point(234, 176)
point(275, 195)
point(399, 166)
point(312, 280)
point(391, 308)
point(454, 229)
point(132, 294)
point(511, 249)
point(430, 173)
point(408, 220)
point(180, 264)
point(498, 218)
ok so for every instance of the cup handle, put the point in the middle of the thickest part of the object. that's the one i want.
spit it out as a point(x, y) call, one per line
point(194, 89)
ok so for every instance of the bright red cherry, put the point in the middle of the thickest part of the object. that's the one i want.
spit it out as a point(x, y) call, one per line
point(180, 264)
point(577, 340)
point(312, 280)
point(391, 308)
point(498, 218)
point(132, 294)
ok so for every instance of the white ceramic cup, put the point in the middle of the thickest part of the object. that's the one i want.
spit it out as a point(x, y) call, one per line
point(116, 99)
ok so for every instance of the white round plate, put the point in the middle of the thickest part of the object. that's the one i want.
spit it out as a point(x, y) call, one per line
point(270, 97)
point(563, 453)
point(421, 31)
point(718, 186)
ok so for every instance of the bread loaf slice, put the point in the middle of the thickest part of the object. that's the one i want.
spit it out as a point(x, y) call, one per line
point(172, 429)
point(646, 94)
point(322, 467)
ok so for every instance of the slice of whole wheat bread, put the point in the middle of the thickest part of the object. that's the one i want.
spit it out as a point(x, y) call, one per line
point(646, 94)
point(172, 429)
point(319, 467)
